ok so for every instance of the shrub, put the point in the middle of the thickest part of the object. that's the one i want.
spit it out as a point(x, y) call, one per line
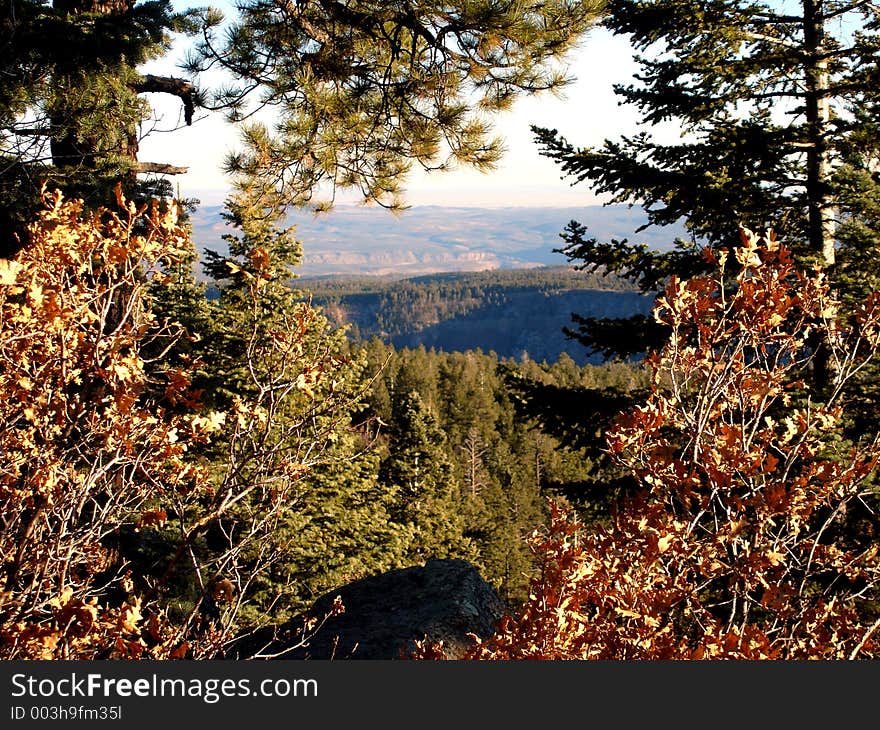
point(736, 547)
point(84, 453)
point(110, 482)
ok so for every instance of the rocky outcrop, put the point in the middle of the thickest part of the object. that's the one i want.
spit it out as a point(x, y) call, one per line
point(444, 600)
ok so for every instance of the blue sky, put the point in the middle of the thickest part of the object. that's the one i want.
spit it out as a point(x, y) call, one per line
point(587, 113)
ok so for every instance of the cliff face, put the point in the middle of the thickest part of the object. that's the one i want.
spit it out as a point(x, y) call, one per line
point(443, 600)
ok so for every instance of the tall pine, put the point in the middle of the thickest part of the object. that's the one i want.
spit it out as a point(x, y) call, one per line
point(777, 103)
point(71, 104)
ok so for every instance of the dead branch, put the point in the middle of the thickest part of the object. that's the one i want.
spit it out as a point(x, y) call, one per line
point(180, 88)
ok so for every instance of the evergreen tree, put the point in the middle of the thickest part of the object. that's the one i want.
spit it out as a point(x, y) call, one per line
point(501, 497)
point(379, 363)
point(569, 414)
point(178, 296)
point(70, 105)
point(339, 530)
point(415, 371)
point(428, 498)
point(259, 245)
point(499, 460)
point(364, 89)
point(290, 387)
point(507, 510)
point(778, 114)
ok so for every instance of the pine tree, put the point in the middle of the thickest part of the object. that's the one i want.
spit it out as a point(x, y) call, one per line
point(365, 89)
point(70, 104)
point(467, 385)
point(259, 244)
point(414, 371)
point(478, 438)
point(507, 510)
point(290, 388)
point(339, 530)
point(778, 115)
point(428, 497)
point(178, 296)
point(362, 90)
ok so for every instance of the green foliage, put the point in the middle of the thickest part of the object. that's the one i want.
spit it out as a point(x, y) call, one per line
point(361, 90)
point(70, 105)
point(503, 454)
point(339, 530)
point(259, 248)
point(365, 89)
point(427, 496)
point(571, 410)
point(290, 387)
point(396, 307)
point(779, 117)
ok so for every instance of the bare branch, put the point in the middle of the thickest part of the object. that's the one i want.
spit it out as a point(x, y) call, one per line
point(160, 168)
point(181, 88)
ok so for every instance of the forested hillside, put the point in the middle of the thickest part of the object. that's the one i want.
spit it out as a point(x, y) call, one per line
point(469, 412)
point(513, 313)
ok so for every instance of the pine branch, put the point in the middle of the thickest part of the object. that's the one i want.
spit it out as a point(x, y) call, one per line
point(857, 5)
point(764, 38)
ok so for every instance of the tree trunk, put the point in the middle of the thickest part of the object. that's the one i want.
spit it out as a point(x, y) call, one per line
point(821, 225)
point(821, 217)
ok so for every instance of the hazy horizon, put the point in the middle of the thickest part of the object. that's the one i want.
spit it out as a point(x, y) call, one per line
point(355, 239)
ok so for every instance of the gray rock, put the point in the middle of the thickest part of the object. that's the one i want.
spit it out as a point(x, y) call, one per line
point(444, 600)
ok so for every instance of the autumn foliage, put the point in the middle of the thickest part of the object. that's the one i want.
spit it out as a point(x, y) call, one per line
point(750, 535)
point(103, 442)
point(740, 543)
point(83, 452)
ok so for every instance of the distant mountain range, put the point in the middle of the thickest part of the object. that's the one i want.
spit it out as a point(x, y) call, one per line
point(427, 239)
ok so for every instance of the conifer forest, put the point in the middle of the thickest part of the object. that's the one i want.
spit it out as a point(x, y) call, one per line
point(198, 445)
